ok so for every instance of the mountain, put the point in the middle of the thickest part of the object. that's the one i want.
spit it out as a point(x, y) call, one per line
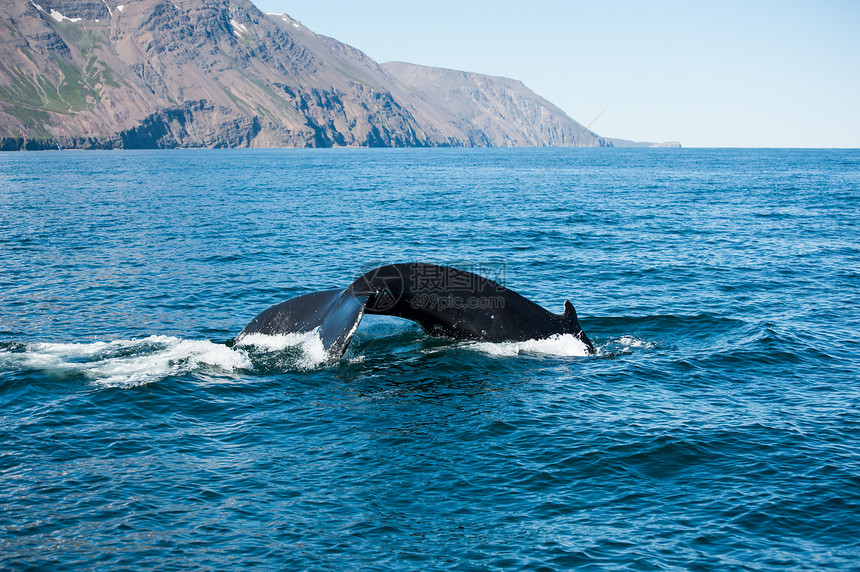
point(627, 143)
point(220, 73)
point(480, 110)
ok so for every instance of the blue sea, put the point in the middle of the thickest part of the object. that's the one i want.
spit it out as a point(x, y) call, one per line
point(716, 428)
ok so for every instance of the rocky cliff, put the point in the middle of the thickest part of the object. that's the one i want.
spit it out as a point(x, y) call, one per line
point(479, 110)
point(219, 73)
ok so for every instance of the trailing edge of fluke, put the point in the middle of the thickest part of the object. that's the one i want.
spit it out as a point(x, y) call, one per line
point(444, 301)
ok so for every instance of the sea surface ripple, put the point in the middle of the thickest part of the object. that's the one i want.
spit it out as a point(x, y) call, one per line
point(717, 428)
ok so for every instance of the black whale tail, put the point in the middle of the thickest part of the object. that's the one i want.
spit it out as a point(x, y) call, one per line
point(444, 301)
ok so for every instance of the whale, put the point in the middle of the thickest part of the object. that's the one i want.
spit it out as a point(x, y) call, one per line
point(444, 301)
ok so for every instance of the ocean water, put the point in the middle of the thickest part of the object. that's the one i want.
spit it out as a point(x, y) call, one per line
point(717, 428)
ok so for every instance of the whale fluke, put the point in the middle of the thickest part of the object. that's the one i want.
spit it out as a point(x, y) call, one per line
point(444, 301)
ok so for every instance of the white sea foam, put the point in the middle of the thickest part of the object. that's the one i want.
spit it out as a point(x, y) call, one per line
point(563, 345)
point(312, 353)
point(127, 363)
point(631, 342)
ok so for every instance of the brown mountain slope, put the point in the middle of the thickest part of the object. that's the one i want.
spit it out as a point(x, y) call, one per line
point(219, 73)
point(487, 111)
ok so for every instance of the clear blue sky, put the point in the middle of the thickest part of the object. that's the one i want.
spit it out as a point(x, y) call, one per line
point(708, 74)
